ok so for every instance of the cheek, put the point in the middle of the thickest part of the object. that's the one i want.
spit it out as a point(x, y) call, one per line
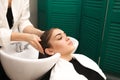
point(63, 48)
point(59, 46)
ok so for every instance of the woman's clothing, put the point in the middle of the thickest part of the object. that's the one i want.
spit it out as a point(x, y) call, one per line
point(20, 10)
point(64, 70)
point(9, 16)
point(88, 73)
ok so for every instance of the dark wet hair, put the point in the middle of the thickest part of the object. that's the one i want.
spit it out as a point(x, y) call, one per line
point(45, 37)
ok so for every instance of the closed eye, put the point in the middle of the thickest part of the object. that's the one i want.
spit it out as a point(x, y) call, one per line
point(60, 36)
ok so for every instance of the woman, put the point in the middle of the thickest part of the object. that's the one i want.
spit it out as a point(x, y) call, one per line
point(70, 66)
point(15, 24)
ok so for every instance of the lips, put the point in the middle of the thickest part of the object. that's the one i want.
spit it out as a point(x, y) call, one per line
point(70, 42)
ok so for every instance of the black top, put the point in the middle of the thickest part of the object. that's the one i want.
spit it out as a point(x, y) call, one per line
point(88, 73)
point(9, 16)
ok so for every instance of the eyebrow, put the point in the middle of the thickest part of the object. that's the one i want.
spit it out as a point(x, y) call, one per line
point(57, 34)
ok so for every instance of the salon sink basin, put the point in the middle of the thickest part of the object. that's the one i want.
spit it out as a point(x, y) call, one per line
point(25, 65)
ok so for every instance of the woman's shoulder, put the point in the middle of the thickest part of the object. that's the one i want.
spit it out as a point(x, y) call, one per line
point(89, 63)
point(82, 57)
point(85, 61)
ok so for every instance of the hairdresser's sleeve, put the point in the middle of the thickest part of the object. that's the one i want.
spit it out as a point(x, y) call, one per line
point(24, 20)
point(5, 36)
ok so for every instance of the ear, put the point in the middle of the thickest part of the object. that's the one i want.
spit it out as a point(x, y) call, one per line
point(49, 51)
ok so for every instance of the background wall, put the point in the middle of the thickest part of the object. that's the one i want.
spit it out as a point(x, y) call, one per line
point(33, 12)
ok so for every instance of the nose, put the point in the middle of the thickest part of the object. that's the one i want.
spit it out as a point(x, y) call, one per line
point(67, 38)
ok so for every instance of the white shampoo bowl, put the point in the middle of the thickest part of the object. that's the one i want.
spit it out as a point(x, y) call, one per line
point(25, 65)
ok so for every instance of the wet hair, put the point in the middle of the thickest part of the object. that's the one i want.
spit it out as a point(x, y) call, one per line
point(45, 37)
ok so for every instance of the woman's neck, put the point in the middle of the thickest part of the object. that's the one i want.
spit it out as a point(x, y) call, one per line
point(67, 57)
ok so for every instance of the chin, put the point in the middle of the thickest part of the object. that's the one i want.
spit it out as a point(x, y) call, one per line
point(72, 50)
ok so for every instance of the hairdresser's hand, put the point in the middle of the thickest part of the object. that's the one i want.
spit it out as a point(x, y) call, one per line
point(34, 41)
point(30, 38)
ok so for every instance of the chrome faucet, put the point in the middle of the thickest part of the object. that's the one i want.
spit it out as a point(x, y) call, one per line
point(26, 46)
point(20, 47)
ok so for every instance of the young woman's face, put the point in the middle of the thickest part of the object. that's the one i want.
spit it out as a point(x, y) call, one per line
point(61, 43)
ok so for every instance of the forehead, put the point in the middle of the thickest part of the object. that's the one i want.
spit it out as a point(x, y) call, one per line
point(56, 32)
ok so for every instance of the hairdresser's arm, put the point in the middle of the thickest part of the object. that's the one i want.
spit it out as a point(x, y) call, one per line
point(33, 30)
point(31, 38)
